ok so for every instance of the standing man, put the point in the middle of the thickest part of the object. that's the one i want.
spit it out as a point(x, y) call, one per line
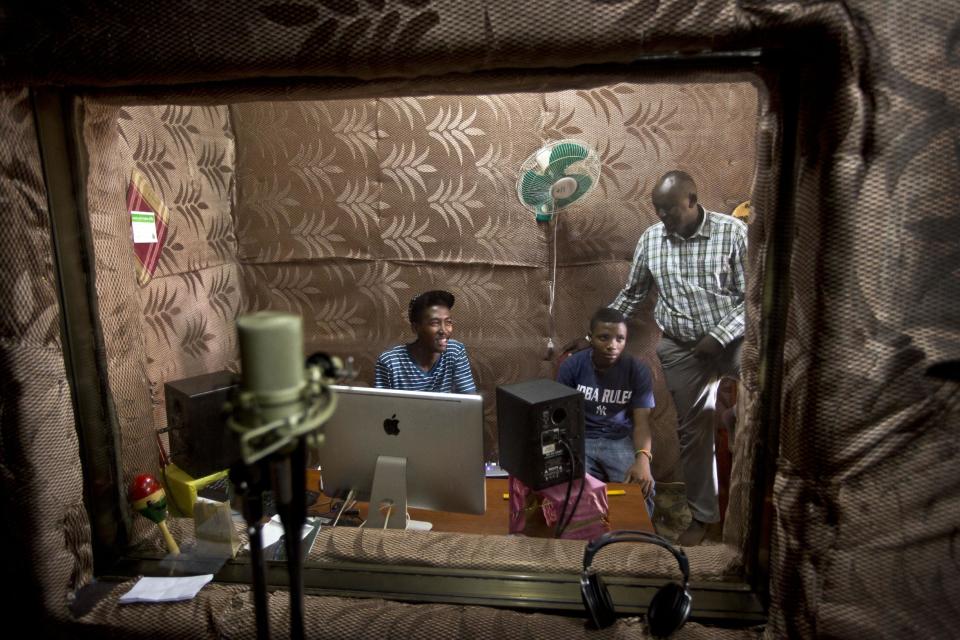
point(432, 362)
point(696, 259)
point(617, 397)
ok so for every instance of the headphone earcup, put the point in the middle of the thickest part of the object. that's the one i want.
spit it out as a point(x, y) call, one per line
point(668, 610)
point(596, 600)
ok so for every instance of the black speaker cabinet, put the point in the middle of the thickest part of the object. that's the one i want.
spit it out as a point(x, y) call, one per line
point(200, 441)
point(533, 417)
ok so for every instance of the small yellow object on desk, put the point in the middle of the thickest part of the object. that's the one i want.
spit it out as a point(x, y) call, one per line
point(184, 488)
point(610, 492)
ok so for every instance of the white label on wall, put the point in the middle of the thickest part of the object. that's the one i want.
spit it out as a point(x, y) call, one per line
point(144, 226)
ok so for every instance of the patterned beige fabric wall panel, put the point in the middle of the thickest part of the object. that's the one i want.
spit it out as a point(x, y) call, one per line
point(120, 313)
point(189, 327)
point(601, 225)
point(187, 155)
point(581, 290)
point(367, 302)
point(27, 266)
point(338, 300)
point(448, 165)
point(867, 487)
point(45, 527)
point(308, 180)
point(188, 307)
point(640, 131)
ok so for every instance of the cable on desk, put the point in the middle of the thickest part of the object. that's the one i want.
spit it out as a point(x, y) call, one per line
point(343, 508)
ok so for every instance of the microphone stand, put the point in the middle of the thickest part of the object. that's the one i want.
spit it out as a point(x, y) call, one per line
point(287, 478)
point(249, 482)
point(277, 414)
point(289, 481)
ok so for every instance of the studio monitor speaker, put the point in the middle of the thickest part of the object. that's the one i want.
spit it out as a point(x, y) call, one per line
point(540, 426)
point(200, 442)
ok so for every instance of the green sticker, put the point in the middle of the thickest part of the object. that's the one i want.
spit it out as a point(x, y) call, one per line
point(144, 226)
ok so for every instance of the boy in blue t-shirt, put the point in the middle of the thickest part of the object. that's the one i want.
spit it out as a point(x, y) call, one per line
point(617, 397)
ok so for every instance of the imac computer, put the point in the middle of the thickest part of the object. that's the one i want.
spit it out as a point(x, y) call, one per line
point(405, 448)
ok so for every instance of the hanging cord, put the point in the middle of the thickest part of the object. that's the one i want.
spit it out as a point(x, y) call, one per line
point(554, 222)
point(347, 503)
point(553, 269)
point(583, 481)
point(386, 520)
point(558, 529)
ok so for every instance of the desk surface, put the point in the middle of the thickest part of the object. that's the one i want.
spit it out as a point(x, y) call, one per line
point(627, 511)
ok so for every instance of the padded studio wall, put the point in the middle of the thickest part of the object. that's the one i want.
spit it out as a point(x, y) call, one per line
point(180, 323)
point(347, 208)
point(43, 521)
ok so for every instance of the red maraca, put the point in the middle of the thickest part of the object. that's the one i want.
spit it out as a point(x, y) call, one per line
point(148, 498)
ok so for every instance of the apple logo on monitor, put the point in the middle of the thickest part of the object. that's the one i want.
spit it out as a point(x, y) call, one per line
point(392, 426)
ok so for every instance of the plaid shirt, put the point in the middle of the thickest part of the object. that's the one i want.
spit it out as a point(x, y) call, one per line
point(700, 279)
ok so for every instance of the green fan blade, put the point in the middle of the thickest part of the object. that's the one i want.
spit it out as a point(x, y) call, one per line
point(583, 185)
point(535, 189)
point(562, 156)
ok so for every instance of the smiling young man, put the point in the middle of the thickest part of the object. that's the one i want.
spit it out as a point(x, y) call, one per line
point(617, 397)
point(432, 362)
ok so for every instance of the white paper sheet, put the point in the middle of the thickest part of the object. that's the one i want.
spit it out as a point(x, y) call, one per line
point(165, 589)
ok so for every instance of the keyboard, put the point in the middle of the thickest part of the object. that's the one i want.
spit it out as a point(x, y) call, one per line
point(494, 470)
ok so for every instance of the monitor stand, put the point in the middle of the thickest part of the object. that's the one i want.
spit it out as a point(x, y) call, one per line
point(388, 497)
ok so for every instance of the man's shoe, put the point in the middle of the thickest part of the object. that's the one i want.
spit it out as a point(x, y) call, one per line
point(694, 534)
point(714, 532)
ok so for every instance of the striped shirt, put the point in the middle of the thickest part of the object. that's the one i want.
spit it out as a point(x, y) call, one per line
point(395, 369)
point(701, 279)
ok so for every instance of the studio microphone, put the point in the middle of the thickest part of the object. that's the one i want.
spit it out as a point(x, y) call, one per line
point(276, 414)
point(279, 400)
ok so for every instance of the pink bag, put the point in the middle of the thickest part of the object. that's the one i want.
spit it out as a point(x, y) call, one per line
point(535, 513)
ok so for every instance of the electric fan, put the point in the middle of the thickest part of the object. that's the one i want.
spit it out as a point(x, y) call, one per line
point(557, 175)
point(554, 177)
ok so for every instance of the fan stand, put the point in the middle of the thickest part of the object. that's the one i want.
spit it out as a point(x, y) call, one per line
point(562, 188)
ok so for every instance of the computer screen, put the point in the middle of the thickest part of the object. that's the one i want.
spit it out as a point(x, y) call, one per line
point(439, 435)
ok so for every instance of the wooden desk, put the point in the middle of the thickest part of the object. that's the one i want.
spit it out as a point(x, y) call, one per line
point(627, 511)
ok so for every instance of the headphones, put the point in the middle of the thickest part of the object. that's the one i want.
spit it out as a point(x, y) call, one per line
point(669, 607)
